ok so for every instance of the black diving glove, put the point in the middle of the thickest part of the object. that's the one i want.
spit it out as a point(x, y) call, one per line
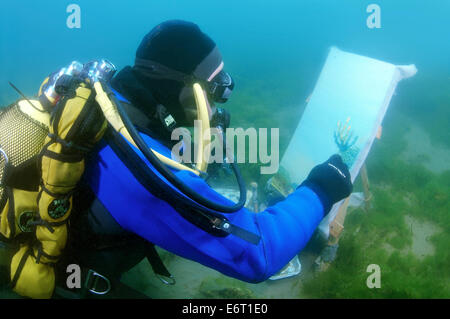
point(331, 181)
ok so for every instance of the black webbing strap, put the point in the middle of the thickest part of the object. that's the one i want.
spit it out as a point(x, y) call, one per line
point(11, 212)
point(40, 253)
point(155, 261)
point(52, 194)
point(19, 269)
point(62, 157)
point(68, 145)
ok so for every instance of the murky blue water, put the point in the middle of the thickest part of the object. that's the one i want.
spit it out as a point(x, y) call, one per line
point(270, 41)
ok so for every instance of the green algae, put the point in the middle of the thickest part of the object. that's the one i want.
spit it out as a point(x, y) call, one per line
point(401, 192)
point(224, 288)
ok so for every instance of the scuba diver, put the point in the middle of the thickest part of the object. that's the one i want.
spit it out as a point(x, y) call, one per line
point(105, 191)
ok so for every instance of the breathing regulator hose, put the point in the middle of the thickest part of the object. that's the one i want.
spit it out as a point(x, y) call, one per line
point(119, 120)
point(112, 115)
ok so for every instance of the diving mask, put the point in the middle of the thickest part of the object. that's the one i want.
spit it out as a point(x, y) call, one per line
point(218, 89)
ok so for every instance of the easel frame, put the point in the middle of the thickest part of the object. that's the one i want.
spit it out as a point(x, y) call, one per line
point(337, 225)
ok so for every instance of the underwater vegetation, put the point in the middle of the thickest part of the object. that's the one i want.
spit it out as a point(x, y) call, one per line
point(406, 196)
point(260, 103)
point(403, 194)
point(219, 288)
point(410, 207)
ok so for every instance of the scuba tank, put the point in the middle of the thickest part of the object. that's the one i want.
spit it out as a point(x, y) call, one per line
point(24, 126)
point(44, 138)
point(49, 94)
point(43, 143)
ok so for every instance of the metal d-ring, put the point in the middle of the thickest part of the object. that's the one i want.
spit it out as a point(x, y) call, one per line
point(4, 155)
point(169, 282)
point(94, 277)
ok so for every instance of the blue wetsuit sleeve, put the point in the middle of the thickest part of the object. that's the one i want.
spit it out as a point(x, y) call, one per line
point(284, 228)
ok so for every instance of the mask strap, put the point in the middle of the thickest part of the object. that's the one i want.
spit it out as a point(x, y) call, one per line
point(158, 71)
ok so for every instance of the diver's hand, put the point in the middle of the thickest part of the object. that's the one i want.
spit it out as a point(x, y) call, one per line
point(331, 181)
